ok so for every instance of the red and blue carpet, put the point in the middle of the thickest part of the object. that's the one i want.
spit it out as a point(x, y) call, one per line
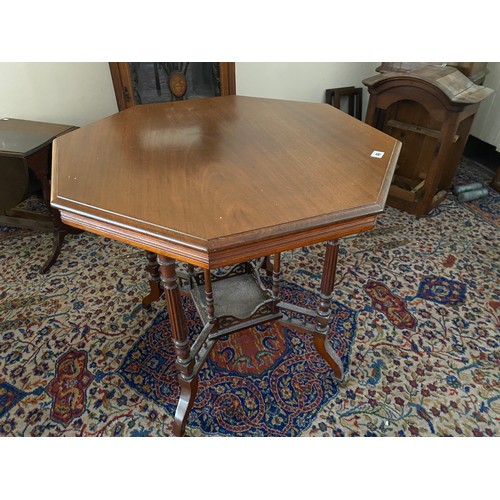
point(416, 322)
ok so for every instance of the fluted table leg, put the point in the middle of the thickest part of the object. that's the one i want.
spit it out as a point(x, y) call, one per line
point(324, 310)
point(184, 363)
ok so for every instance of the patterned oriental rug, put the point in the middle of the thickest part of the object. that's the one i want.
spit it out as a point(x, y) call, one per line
point(416, 322)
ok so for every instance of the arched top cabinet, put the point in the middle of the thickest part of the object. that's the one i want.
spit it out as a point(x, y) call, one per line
point(430, 110)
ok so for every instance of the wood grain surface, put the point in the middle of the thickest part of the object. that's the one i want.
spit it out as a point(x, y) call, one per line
point(198, 177)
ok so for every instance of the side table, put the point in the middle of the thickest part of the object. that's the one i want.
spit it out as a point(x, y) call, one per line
point(25, 162)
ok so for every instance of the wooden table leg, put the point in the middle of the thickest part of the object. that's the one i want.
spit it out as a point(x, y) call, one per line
point(57, 242)
point(185, 362)
point(39, 164)
point(276, 280)
point(325, 309)
point(56, 250)
point(152, 268)
point(209, 296)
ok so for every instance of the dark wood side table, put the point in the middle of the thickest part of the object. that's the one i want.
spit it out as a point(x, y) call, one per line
point(25, 165)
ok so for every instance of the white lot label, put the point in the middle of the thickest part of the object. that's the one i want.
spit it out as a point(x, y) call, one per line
point(377, 154)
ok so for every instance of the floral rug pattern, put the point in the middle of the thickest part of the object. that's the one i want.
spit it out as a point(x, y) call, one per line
point(416, 321)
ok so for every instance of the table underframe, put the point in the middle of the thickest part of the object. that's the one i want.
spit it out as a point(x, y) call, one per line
point(215, 294)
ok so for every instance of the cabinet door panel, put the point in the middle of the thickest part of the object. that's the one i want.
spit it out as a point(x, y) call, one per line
point(150, 82)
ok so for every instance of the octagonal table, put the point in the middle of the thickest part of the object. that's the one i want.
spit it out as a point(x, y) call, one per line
point(218, 183)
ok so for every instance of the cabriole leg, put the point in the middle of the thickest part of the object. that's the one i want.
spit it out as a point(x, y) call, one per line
point(56, 250)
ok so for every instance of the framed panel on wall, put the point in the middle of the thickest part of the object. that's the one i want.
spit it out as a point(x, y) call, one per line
point(152, 82)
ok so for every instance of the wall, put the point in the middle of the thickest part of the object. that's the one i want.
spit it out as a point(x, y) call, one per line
point(80, 93)
point(301, 81)
point(68, 93)
point(486, 125)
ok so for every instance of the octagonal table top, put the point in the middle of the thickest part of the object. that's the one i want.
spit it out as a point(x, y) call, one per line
point(201, 179)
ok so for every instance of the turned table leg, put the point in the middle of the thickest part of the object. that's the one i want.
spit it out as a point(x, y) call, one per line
point(152, 268)
point(184, 363)
point(276, 280)
point(324, 310)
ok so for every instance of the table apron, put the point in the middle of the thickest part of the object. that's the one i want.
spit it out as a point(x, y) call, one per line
point(211, 259)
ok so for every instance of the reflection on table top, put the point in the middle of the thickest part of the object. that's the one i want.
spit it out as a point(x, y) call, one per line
point(209, 174)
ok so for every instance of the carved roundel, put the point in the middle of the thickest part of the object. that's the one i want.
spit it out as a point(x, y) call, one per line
point(177, 84)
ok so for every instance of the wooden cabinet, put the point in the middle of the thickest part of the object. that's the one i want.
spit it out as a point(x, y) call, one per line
point(430, 110)
point(153, 82)
point(474, 71)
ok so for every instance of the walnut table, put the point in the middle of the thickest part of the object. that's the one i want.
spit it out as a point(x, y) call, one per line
point(221, 182)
